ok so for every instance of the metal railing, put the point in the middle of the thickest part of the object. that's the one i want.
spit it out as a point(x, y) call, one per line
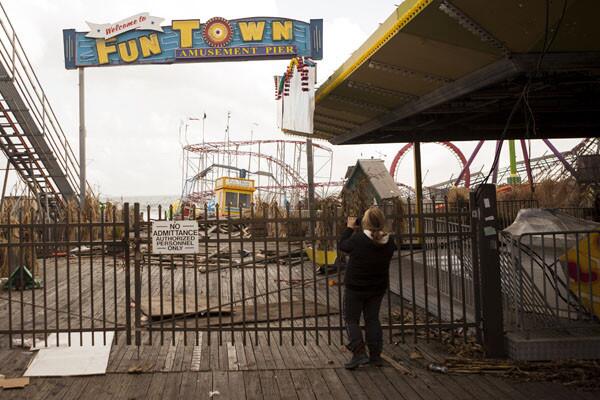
point(64, 276)
point(27, 86)
point(259, 271)
point(588, 213)
point(551, 280)
point(449, 256)
point(508, 210)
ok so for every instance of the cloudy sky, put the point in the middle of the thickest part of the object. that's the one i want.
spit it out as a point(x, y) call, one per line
point(134, 112)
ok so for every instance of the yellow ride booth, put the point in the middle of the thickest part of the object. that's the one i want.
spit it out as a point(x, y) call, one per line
point(233, 195)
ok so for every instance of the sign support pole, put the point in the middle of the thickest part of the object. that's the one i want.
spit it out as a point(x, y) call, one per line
point(311, 183)
point(418, 188)
point(82, 158)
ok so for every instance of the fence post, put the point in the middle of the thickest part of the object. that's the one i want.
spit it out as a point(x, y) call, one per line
point(137, 277)
point(475, 263)
point(489, 262)
point(127, 274)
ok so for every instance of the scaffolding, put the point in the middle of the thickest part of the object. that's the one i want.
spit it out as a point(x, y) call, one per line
point(278, 168)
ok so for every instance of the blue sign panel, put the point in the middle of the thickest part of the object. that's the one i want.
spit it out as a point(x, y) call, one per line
point(217, 39)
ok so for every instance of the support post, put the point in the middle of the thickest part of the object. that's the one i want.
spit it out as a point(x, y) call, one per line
point(137, 276)
point(418, 187)
point(527, 164)
point(475, 264)
point(495, 166)
point(311, 184)
point(126, 223)
point(513, 157)
point(561, 158)
point(258, 168)
point(489, 263)
point(4, 184)
point(82, 158)
point(469, 162)
point(514, 178)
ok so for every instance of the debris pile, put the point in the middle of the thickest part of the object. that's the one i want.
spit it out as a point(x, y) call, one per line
point(15, 211)
point(549, 194)
point(223, 258)
point(580, 374)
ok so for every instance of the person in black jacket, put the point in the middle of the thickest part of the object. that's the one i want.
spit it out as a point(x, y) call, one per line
point(366, 280)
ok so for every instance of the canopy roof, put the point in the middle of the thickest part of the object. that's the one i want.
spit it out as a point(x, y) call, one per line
point(457, 69)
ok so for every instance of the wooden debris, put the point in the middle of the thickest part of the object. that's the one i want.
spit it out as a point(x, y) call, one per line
point(584, 374)
point(255, 313)
point(25, 343)
point(211, 255)
point(87, 251)
point(304, 282)
point(173, 308)
point(14, 383)
point(140, 368)
point(396, 365)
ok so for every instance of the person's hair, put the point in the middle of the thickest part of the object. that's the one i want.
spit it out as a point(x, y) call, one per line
point(374, 221)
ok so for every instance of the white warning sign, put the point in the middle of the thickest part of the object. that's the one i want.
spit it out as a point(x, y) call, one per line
point(175, 237)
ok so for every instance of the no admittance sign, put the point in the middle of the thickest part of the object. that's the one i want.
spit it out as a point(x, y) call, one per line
point(175, 237)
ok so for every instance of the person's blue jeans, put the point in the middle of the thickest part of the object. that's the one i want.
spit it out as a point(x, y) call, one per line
point(368, 304)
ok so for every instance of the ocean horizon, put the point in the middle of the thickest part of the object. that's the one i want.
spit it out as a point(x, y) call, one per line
point(153, 200)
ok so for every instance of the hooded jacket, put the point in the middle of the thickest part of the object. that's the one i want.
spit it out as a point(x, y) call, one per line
point(368, 265)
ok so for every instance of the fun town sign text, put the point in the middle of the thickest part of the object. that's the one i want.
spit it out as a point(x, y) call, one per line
point(141, 39)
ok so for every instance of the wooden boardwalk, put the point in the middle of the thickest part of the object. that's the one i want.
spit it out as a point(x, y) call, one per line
point(307, 365)
point(271, 372)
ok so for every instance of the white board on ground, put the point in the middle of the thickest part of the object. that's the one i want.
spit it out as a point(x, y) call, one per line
point(81, 358)
point(175, 237)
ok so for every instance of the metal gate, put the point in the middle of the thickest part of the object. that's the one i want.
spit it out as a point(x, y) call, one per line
point(258, 270)
point(69, 276)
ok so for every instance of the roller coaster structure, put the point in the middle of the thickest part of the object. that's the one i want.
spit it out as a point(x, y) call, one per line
point(277, 166)
point(553, 165)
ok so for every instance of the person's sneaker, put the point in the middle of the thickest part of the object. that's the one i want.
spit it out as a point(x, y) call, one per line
point(357, 360)
point(376, 360)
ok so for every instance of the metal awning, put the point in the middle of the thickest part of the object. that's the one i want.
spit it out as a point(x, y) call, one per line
point(460, 69)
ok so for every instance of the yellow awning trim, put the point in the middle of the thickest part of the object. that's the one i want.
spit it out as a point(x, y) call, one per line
point(383, 39)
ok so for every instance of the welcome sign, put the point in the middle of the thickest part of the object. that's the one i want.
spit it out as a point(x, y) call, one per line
point(140, 39)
